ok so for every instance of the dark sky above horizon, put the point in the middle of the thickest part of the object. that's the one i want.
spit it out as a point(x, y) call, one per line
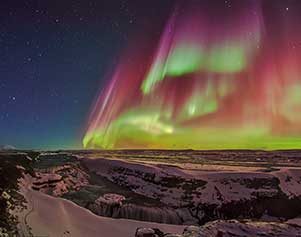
point(55, 56)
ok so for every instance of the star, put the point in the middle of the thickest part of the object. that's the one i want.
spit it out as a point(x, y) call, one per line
point(228, 3)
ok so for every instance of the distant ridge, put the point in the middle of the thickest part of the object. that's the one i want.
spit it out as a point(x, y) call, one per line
point(7, 147)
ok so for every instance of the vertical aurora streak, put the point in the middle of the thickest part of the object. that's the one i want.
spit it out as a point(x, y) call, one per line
point(212, 82)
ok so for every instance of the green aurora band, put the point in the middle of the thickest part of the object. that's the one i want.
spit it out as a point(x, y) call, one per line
point(228, 88)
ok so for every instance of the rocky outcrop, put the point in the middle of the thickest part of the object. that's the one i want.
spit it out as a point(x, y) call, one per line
point(149, 232)
point(60, 179)
point(110, 199)
point(243, 228)
point(230, 228)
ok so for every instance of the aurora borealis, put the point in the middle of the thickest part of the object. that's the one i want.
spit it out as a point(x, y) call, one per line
point(201, 74)
point(217, 77)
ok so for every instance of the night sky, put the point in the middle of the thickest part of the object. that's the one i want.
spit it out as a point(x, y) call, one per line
point(56, 57)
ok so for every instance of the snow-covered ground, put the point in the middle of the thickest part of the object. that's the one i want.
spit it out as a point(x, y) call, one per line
point(196, 194)
point(52, 216)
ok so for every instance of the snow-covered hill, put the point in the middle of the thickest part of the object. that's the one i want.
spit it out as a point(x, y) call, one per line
point(7, 147)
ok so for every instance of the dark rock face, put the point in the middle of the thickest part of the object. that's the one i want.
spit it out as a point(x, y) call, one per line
point(135, 212)
point(277, 206)
point(116, 206)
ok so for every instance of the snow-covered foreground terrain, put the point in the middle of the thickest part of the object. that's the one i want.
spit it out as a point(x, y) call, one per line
point(51, 216)
point(72, 194)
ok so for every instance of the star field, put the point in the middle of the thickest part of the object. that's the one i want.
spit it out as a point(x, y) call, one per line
point(54, 59)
